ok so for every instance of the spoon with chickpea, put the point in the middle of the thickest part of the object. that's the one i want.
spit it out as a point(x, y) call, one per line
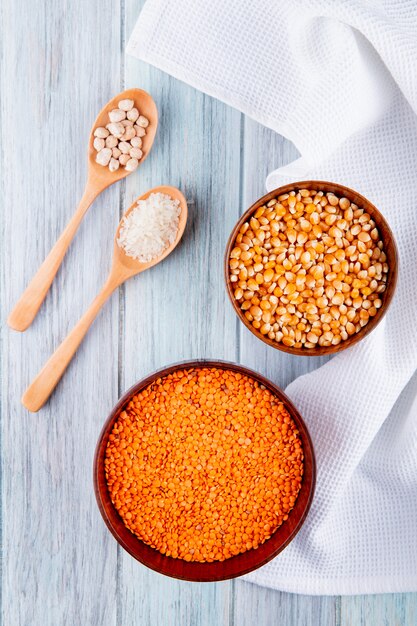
point(120, 140)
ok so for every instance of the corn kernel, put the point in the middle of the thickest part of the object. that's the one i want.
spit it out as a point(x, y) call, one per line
point(304, 266)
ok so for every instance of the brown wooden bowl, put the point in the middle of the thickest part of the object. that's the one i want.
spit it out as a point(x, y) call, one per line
point(389, 248)
point(218, 570)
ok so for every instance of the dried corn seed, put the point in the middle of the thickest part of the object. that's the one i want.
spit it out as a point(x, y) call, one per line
point(344, 203)
point(314, 255)
point(364, 236)
point(268, 275)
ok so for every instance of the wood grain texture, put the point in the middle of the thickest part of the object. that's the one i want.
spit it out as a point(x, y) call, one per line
point(60, 564)
point(266, 607)
point(59, 561)
point(391, 609)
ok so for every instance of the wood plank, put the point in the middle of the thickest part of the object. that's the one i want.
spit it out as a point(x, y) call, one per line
point(266, 607)
point(264, 151)
point(60, 562)
point(392, 609)
point(179, 310)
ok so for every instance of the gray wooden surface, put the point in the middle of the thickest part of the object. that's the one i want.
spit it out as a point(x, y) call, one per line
point(60, 61)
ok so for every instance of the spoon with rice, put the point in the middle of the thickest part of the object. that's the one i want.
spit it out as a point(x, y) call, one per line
point(148, 232)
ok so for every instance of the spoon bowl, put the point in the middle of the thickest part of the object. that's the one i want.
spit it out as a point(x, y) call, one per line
point(147, 107)
point(123, 267)
point(99, 178)
point(122, 260)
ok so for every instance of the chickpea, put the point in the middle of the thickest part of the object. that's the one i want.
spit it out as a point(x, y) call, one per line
point(121, 138)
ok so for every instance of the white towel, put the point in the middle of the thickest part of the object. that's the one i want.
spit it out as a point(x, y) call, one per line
point(339, 79)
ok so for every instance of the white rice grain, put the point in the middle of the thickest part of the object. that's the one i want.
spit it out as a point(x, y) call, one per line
point(150, 228)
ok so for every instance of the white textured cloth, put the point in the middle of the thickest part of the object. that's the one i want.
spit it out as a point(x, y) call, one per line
point(339, 79)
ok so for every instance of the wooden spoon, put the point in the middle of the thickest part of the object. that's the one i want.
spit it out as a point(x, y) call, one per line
point(98, 179)
point(123, 267)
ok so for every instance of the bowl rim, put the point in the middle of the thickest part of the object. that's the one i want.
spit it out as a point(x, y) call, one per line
point(389, 243)
point(218, 570)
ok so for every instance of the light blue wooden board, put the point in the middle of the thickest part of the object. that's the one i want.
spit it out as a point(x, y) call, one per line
point(59, 562)
point(392, 609)
point(59, 63)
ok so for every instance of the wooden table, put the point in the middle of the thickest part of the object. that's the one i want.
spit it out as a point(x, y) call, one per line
point(61, 61)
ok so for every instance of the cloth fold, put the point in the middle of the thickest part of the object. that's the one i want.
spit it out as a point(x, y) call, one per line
point(337, 78)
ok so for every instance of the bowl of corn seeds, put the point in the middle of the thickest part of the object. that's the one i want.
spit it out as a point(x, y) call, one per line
point(204, 471)
point(311, 268)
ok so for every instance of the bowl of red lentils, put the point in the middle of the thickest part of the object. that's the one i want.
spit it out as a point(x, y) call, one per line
point(204, 471)
point(311, 268)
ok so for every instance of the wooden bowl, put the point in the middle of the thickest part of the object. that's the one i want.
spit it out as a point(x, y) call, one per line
point(389, 248)
point(220, 570)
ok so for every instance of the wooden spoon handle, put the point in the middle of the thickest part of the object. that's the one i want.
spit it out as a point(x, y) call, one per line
point(45, 382)
point(30, 301)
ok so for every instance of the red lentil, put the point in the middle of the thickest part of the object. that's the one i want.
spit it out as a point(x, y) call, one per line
point(204, 464)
